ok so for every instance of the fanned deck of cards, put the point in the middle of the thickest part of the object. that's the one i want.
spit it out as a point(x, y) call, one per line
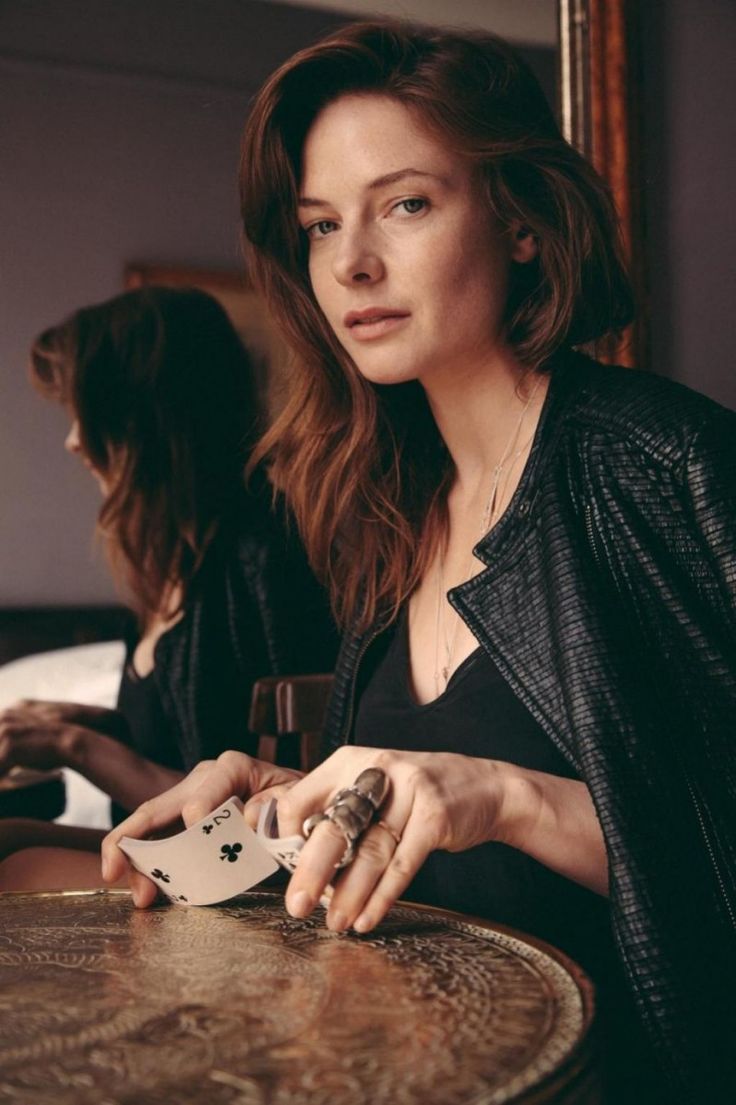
point(217, 858)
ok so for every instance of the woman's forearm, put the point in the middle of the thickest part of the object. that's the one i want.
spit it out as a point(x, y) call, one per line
point(553, 820)
point(127, 777)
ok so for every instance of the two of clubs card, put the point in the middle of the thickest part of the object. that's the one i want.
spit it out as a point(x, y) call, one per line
point(217, 858)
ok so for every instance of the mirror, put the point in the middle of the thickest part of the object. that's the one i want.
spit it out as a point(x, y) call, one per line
point(597, 60)
point(135, 119)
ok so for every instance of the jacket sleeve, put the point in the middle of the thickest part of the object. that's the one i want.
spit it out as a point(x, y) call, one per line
point(710, 475)
point(701, 738)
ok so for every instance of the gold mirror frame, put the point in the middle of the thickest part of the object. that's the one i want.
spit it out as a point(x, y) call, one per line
point(599, 66)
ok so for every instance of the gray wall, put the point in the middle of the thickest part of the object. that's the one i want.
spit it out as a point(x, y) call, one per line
point(689, 114)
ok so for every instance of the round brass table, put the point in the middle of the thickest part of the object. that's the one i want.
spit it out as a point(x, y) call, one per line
point(102, 1004)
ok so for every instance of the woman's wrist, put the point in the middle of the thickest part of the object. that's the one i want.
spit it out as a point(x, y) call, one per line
point(553, 820)
point(521, 799)
point(72, 744)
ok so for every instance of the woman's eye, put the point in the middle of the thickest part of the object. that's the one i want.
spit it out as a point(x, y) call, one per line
point(412, 206)
point(320, 229)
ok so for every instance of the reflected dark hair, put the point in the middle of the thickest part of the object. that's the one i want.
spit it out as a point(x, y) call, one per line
point(342, 448)
point(163, 391)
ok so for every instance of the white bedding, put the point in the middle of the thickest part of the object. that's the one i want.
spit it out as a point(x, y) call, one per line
point(86, 673)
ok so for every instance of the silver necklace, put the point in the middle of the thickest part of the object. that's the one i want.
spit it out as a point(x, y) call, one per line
point(505, 465)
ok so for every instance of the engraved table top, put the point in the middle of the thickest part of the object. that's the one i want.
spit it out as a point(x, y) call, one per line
point(102, 1004)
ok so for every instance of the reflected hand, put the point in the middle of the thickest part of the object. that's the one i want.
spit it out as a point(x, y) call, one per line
point(206, 787)
point(40, 735)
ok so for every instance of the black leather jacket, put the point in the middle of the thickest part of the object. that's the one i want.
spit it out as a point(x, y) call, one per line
point(609, 604)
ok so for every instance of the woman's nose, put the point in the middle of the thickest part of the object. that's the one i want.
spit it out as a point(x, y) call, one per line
point(71, 441)
point(357, 262)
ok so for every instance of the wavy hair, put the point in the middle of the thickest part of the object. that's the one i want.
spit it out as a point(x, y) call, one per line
point(363, 466)
point(163, 392)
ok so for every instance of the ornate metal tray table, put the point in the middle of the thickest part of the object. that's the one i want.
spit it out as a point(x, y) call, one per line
point(101, 1004)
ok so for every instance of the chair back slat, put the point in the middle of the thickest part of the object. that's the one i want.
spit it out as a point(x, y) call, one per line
point(283, 707)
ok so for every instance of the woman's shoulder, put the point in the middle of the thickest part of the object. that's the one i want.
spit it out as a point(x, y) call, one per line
point(663, 418)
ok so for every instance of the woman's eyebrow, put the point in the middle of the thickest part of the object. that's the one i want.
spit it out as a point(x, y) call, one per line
point(379, 182)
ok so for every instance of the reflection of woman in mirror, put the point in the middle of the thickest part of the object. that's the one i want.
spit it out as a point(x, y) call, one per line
point(533, 554)
point(160, 395)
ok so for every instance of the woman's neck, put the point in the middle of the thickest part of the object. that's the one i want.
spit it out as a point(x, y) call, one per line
point(479, 409)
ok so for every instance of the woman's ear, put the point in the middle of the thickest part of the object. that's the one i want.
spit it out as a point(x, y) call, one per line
point(524, 244)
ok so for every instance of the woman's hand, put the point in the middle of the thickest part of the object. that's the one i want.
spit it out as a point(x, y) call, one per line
point(206, 787)
point(436, 801)
point(46, 735)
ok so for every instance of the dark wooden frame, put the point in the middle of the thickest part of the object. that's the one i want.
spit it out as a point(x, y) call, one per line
point(599, 75)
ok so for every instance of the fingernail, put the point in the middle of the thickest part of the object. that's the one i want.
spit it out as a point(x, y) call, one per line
point(105, 870)
point(337, 922)
point(363, 923)
point(300, 904)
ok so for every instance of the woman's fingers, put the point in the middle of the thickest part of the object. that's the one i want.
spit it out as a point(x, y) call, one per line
point(316, 869)
point(326, 845)
point(155, 814)
point(206, 787)
point(252, 808)
point(315, 791)
point(377, 877)
point(358, 881)
point(377, 852)
point(144, 892)
point(408, 857)
point(232, 773)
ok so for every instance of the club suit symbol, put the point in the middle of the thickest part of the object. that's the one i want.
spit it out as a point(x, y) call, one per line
point(230, 852)
point(158, 874)
point(207, 829)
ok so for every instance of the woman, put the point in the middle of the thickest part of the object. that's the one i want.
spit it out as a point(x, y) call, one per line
point(533, 554)
point(160, 393)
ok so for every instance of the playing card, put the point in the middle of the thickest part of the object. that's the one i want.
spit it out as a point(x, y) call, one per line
point(209, 862)
point(284, 849)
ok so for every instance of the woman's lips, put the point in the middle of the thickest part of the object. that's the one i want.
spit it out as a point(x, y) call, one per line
point(367, 325)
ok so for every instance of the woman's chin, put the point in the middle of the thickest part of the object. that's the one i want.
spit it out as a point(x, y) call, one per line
point(389, 373)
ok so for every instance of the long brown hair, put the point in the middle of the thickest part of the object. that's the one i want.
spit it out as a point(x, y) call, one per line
point(363, 466)
point(163, 392)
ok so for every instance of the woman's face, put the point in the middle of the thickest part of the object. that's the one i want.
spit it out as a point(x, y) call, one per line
point(406, 261)
point(73, 445)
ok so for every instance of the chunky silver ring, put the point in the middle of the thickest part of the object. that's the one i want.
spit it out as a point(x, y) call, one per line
point(311, 823)
point(352, 810)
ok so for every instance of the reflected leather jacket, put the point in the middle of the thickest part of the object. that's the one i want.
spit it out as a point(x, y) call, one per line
point(254, 610)
point(608, 603)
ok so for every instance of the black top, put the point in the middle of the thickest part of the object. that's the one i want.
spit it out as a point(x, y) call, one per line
point(140, 704)
point(479, 715)
point(149, 731)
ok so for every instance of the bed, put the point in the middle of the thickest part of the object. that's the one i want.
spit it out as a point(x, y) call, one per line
point(72, 654)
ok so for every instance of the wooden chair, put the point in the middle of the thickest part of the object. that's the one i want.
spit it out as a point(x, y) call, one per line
point(287, 715)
